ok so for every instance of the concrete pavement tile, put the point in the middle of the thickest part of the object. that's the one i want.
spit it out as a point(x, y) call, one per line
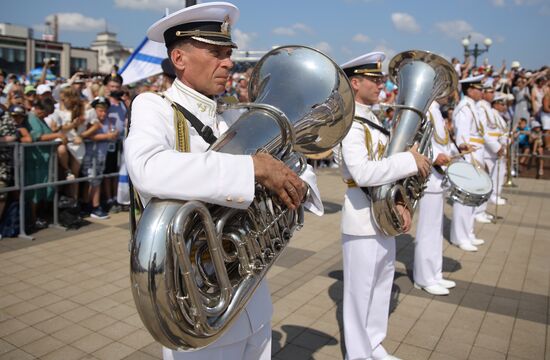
point(62, 306)
point(17, 354)
point(97, 322)
point(121, 311)
point(65, 353)
point(313, 340)
point(453, 347)
point(36, 316)
point(78, 314)
point(479, 353)
point(92, 342)
point(117, 330)
point(10, 326)
point(441, 356)
point(71, 333)
point(154, 349)
point(137, 339)
point(19, 308)
point(140, 355)
point(421, 339)
point(53, 324)
point(5, 347)
point(294, 352)
point(24, 336)
point(494, 343)
point(113, 351)
point(412, 352)
point(43, 346)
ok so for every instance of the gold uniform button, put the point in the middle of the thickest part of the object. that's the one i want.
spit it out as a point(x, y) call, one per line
point(228, 198)
point(240, 200)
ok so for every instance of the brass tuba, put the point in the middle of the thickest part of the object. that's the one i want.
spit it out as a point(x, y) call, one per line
point(422, 77)
point(194, 266)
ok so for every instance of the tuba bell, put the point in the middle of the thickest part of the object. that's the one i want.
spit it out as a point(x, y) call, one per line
point(194, 266)
point(422, 77)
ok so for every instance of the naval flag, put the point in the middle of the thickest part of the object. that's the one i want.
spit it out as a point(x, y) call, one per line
point(144, 62)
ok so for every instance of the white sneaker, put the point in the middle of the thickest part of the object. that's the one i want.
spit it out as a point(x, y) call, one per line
point(501, 201)
point(433, 289)
point(481, 218)
point(467, 247)
point(477, 242)
point(447, 284)
point(488, 216)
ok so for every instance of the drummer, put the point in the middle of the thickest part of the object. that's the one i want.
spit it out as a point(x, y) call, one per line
point(470, 133)
point(428, 249)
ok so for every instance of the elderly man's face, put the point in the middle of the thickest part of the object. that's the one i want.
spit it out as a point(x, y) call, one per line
point(203, 67)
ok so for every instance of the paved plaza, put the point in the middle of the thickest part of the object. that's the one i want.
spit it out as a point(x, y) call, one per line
point(66, 295)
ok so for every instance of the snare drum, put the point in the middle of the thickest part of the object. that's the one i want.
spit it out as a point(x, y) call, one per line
point(467, 184)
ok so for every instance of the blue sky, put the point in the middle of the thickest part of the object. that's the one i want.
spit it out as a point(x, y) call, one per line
point(341, 28)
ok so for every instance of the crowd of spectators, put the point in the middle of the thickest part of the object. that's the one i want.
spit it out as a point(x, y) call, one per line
point(86, 117)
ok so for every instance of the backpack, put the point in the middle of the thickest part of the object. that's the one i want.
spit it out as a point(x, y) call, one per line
point(70, 218)
point(9, 225)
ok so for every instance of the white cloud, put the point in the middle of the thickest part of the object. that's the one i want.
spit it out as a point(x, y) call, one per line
point(361, 38)
point(345, 50)
point(284, 31)
point(498, 3)
point(159, 5)
point(323, 46)
point(456, 29)
point(77, 22)
point(292, 30)
point(242, 39)
point(405, 22)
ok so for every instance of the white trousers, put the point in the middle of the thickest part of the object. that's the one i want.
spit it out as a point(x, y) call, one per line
point(428, 248)
point(462, 224)
point(483, 207)
point(256, 347)
point(497, 177)
point(368, 278)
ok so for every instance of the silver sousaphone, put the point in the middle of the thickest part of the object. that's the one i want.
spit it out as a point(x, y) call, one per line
point(194, 266)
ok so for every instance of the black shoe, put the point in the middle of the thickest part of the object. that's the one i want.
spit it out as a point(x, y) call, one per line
point(115, 209)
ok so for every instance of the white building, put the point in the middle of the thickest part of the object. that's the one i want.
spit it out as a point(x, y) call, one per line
point(110, 52)
point(20, 53)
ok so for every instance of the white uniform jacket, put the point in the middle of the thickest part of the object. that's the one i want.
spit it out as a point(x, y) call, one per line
point(470, 127)
point(440, 135)
point(503, 127)
point(158, 170)
point(357, 164)
point(492, 129)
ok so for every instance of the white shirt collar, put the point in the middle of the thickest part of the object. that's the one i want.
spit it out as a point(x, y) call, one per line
point(203, 103)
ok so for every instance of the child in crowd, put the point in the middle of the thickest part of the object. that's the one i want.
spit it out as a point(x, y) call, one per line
point(96, 152)
point(537, 146)
point(522, 137)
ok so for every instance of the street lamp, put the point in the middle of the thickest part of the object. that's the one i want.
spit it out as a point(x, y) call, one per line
point(475, 51)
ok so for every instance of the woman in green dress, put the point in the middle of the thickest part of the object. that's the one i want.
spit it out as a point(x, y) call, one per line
point(37, 160)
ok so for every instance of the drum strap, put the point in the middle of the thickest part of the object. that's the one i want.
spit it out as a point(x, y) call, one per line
point(479, 126)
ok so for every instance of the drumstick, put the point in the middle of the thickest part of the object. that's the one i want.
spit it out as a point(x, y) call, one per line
point(476, 164)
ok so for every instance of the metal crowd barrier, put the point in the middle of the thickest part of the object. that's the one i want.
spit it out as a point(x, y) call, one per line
point(19, 179)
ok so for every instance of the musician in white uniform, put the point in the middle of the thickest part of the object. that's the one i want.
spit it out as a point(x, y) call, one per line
point(167, 155)
point(428, 249)
point(493, 148)
point(368, 254)
point(469, 134)
point(500, 130)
